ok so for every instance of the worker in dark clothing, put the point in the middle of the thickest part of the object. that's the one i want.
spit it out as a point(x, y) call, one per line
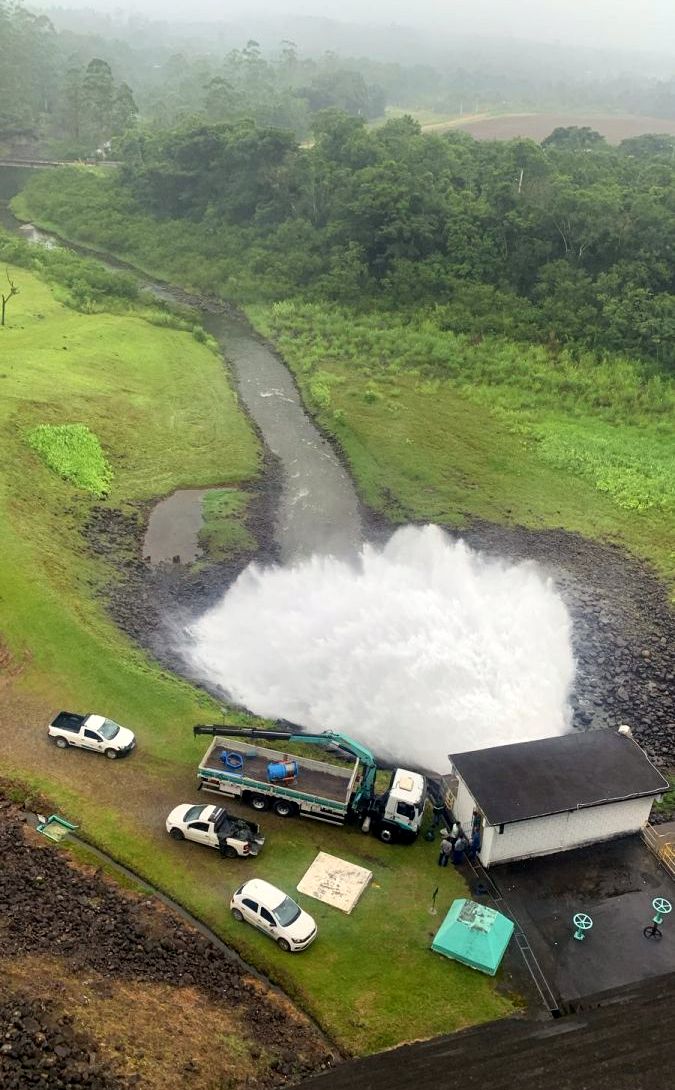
point(445, 852)
point(460, 846)
point(474, 846)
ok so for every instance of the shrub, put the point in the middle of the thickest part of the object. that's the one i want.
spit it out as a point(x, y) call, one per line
point(75, 453)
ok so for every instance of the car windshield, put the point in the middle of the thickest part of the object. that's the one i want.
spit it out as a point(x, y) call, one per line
point(287, 912)
point(194, 813)
point(109, 730)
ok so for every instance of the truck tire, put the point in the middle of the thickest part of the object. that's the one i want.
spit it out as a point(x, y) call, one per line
point(284, 808)
point(386, 833)
point(258, 802)
point(237, 915)
point(111, 754)
point(62, 743)
point(177, 834)
point(229, 852)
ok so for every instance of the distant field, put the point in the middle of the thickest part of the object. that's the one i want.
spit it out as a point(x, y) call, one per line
point(538, 126)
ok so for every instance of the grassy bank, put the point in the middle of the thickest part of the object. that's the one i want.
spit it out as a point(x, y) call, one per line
point(163, 412)
point(439, 426)
point(436, 424)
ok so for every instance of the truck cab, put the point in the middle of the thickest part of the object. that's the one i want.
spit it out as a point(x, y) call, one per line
point(402, 806)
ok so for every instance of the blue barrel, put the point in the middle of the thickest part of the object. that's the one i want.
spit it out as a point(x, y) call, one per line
point(282, 770)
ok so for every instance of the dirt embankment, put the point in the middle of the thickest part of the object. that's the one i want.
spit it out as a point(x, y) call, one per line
point(106, 990)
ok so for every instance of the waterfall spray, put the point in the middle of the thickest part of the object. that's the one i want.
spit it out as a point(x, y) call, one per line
point(418, 649)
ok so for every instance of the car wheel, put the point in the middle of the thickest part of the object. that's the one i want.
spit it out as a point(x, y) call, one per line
point(229, 852)
point(284, 944)
point(177, 834)
point(237, 915)
point(284, 808)
point(62, 743)
point(258, 802)
point(111, 754)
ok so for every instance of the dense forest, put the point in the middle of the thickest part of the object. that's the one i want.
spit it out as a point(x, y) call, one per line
point(566, 243)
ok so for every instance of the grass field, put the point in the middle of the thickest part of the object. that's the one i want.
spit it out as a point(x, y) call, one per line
point(438, 428)
point(165, 417)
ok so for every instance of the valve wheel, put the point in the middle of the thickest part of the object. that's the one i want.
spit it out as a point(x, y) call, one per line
point(662, 906)
point(582, 921)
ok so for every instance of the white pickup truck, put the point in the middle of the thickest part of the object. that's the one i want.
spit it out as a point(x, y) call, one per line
point(91, 732)
point(211, 825)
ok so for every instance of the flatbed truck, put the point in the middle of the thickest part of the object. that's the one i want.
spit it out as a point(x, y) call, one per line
point(331, 792)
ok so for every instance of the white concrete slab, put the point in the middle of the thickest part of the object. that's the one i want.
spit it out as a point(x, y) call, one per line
point(334, 881)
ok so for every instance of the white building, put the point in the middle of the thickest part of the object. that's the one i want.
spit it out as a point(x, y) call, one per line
point(550, 795)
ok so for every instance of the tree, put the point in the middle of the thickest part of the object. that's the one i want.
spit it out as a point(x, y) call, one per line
point(71, 102)
point(6, 296)
point(574, 138)
point(98, 96)
point(124, 110)
point(649, 145)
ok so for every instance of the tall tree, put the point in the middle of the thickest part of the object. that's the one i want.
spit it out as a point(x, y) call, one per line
point(98, 97)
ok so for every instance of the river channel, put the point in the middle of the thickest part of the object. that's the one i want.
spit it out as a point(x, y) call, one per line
point(317, 509)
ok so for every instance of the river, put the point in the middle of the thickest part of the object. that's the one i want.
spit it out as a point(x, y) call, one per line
point(318, 509)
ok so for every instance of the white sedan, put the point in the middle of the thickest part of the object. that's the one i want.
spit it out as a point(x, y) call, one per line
point(213, 826)
point(272, 911)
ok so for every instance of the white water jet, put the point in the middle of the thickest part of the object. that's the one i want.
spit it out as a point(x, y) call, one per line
point(418, 649)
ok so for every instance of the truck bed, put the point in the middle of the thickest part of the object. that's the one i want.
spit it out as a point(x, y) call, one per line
point(68, 721)
point(314, 778)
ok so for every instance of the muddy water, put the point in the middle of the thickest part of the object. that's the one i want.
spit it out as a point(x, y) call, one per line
point(318, 510)
point(174, 526)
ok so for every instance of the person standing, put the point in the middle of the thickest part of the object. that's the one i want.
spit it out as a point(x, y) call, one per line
point(458, 849)
point(455, 831)
point(445, 852)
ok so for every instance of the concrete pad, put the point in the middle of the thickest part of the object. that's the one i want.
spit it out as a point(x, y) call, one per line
point(334, 881)
point(614, 883)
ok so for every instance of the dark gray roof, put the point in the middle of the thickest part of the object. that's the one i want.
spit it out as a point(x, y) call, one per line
point(552, 775)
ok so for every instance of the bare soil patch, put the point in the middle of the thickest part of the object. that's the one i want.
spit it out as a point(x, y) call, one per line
point(539, 126)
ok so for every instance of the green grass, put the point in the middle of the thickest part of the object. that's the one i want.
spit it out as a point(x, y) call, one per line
point(73, 452)
point(167, 418)
point(438, 426)
point(224, 535)
point(667, 803)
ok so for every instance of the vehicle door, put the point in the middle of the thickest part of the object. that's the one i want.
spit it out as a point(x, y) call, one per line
point(199, 831)
point(91, 739)
point(267, 923)
point(249, 910)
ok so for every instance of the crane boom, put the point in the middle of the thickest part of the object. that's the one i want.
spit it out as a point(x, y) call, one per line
point(322, 738)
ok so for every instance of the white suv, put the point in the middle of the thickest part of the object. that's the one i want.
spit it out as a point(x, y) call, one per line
point(270, 910)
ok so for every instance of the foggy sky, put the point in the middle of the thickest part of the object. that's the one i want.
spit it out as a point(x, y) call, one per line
point(626, 24)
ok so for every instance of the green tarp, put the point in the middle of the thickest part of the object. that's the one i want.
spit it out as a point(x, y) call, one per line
point(474, 935)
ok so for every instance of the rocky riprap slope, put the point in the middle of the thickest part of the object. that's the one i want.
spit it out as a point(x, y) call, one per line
point(41, 1048)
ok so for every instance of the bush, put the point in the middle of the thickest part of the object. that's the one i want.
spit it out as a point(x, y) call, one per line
point(75, 453)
